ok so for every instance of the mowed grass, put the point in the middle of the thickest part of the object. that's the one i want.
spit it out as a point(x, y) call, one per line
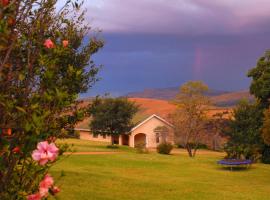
point(131, 176)
point(91, 146)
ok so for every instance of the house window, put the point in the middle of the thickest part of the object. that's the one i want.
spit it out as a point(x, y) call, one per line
point(104, 136)
point(95, 135)
point(157, 137)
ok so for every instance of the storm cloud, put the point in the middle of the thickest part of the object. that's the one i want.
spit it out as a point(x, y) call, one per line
point(163, 43)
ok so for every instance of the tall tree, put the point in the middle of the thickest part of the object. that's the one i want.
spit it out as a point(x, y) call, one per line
point(244, 132)
point(260, 88)
point(190, 118)
point(112, 116)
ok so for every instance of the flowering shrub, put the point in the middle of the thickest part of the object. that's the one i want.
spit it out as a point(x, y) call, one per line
point(45, 62)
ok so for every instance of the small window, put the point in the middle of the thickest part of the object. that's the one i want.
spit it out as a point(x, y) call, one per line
point(104, 136)
point(95, 135)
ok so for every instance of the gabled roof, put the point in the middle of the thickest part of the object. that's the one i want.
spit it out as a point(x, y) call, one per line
point(149, 118)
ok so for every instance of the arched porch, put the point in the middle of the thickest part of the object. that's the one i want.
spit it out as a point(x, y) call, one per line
point(140, 139)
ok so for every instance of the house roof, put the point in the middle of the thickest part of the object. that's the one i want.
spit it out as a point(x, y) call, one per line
point(149, 118)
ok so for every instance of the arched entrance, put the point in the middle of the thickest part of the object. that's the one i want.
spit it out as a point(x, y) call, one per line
point(140, 139)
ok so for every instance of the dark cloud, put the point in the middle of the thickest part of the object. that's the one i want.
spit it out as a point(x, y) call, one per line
point(163, 43)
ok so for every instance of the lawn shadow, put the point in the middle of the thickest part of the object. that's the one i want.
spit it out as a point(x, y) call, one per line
point(235, 168)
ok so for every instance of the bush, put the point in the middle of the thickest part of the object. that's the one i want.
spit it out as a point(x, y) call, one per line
point(164, 148)
point(266, 156)
point(73, 134)
point(140, 148)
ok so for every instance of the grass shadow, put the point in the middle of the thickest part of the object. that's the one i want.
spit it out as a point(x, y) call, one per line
point(235, 168)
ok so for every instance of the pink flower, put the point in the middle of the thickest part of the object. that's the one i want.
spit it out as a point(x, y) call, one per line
point(48, 44)
point(55, 190)
point(45, 152)
point(34, 197)
point(45, 185)
point(65, 43)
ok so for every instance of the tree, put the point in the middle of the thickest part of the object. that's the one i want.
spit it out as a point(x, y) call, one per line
point(190, 117)
point(260, 85)
point(45, 62)
point(244, 132)
point(112, 116)
point(215, 125)
point(260, 88)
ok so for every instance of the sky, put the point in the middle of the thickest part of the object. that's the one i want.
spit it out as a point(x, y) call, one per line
point(164, 43)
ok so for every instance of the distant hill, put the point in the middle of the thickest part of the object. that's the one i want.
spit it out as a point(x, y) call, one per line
point(166, 93)
point(232, 98)
point(218, 97)
point(148, 107)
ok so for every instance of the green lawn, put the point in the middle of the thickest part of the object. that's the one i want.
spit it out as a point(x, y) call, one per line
point(91, 146)
point(132, 176)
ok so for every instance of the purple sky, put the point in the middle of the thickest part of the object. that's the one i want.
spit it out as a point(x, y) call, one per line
point(163, 43)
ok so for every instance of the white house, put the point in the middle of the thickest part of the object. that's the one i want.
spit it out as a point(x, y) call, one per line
point(150, 132)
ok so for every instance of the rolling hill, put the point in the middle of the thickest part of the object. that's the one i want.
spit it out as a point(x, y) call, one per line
point(166, 93)
point(232, 98)
point(218, 97)
point(148, 107)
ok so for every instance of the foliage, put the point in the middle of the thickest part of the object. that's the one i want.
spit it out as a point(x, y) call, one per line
point(244, 132)
point(260, 88)
point(45, 62)
point(190, 117)
point(266, 127)
point(266, 155)
point(249, 131)
point(164, 148)
point(112, 116)
point(260, 85)
point(215, 126)
point(141, 148)
point(73, 134)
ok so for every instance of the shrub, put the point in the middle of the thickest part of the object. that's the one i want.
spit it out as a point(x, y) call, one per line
point(266, 155)
point(140, 148)
point(74, 134)
point(164, 148)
